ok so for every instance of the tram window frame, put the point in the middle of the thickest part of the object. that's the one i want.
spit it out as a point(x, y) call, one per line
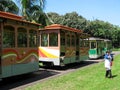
point(101, 45)
point(86, 42)
point(77, 41)
point(53, 39)
point(32, 38)
point(73, 38)
point(94, 45)
point(81, 42)
point(8, 37)
point(22, 37)
point(44, 39)
point(62, 38)
point(68, 40)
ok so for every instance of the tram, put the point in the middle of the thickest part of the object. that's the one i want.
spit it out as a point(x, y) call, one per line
point(18, 45)
point(61, 45)
point(107, 45)
point(98, 47)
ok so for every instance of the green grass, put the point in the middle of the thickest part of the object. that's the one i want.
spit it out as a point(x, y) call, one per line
point(116, 49)
point(86, 78)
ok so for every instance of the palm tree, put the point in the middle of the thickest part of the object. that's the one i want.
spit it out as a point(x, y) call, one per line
point(8, 6)
point(37, 15)
point(32, 10)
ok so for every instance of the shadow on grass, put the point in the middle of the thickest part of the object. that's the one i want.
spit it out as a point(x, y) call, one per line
point(114, 76)
point(16, 81)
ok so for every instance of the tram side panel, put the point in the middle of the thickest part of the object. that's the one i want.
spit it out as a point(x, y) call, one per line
point(69, 48)
point(18, 54)
point(76, 49)
point(16, 62)
point(84, 48)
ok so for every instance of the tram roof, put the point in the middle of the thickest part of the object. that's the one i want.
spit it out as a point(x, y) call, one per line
point(94, 38)
point(14, 17)
point(58, 26)
point(107, 40)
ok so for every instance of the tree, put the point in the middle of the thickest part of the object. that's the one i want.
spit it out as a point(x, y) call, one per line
point(74, 20)
point(37, 15)
point(8, 6)
point(69, 19)
point(32, 10)
point(54, 18)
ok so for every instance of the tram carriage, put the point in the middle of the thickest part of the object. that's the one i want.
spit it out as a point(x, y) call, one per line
point(18, 45)
point(61, 45)
point(98, 47)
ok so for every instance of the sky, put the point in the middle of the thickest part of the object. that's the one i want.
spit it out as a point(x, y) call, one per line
point(106, 10)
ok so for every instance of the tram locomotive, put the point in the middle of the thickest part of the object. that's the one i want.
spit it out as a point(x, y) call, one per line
point(61, 45)
point(18, 45)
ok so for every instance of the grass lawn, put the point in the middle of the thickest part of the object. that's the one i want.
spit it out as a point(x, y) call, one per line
point(86, 78)
point(116, 49)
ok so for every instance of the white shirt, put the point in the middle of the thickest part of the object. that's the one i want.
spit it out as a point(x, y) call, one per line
point(108, 62)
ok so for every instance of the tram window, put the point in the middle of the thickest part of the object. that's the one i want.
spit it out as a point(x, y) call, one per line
point(93, 45)
point(73, 40)
point(32, 38)
point(8, 37)
point(62, 39)
point(77, 41)
point(86, 43)
point(81, 42)
point(68, 40)
point(22, 37)
point(53, 39)
point(44, 39)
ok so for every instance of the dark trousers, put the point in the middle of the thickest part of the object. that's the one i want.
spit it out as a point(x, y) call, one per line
point(108, 73)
